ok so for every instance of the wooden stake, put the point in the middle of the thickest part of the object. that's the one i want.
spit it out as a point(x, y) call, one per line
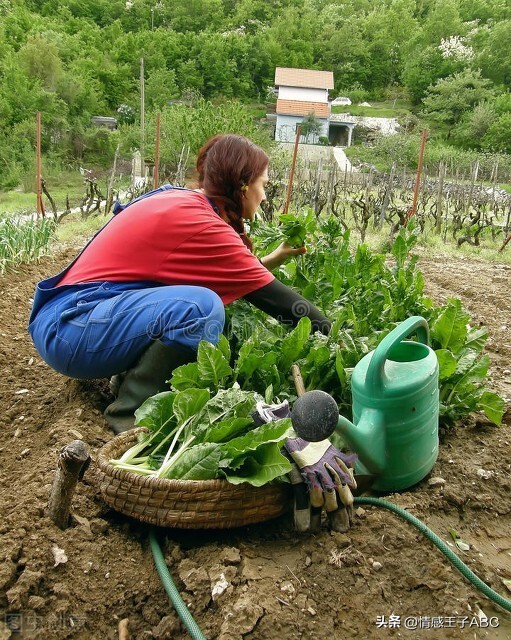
point(413, 208)
point(388, 193)
point(110, 188)
point(156, 152)
point(73, 461)
point(292, 172)
point(439, 197)
point(142, 117)
point(39, 199)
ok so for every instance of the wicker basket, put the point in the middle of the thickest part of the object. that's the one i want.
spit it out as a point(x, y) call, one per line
point(185, 504)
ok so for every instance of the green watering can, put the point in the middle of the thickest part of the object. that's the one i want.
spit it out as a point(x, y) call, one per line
point(395, 409)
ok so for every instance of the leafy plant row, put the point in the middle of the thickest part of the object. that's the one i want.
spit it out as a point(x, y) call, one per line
point(204, 427)
point(365, 295)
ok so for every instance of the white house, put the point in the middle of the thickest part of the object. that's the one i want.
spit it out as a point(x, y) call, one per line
point(301, 92)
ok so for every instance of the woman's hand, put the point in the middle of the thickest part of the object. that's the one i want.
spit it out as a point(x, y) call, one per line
point(281, 254)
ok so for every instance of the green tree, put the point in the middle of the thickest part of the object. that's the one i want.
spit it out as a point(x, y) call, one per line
point(40, 59)
point(450, 98)
point(474, 125)
point(310, 128)
point(189, 126)
point(193, 15)
point(495, 58)
point(160, 88)
point(498, 136)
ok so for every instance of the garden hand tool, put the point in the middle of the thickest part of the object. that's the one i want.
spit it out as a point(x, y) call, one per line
point(307, 511)
point(326, 471)
point(301, 507)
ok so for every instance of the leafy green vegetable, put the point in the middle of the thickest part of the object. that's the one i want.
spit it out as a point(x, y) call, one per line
point(293, 229)
point(197, 463)
point(203, 428)
point(365, 296)
point(195, 436)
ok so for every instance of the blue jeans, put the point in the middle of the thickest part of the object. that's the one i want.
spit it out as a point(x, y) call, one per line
point(96, 330)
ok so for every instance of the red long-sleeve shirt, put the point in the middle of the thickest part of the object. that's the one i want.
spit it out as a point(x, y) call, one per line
point(173, 237)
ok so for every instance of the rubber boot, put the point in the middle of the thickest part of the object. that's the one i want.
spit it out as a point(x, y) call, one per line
point(148, 377)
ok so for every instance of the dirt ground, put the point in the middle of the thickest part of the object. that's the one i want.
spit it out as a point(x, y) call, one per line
point(383, 579)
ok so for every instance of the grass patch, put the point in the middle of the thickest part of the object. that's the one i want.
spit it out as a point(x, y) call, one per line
point(60, 185)
point(74, 227)
point(387, 109)
point(16, 202)
point(432, 244)
point(257, 111)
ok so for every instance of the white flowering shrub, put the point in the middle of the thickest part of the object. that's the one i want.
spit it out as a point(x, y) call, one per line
point(454, 47)
point(126, 114)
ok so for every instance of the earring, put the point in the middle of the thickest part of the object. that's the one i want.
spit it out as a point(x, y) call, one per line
point(244, 187)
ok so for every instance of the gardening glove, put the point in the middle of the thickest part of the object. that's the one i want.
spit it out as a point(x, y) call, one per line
point(328, 475)
point(301, 507)
point(270, 412)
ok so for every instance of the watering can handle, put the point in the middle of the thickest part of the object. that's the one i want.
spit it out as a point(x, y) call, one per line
point(375, 370)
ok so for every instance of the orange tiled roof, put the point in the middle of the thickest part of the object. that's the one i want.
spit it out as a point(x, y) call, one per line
point(302, 108)
point(304, 78)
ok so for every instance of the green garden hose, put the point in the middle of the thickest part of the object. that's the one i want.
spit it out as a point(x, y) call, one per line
point(172, 592)
point(461, 566)
point(197, 634)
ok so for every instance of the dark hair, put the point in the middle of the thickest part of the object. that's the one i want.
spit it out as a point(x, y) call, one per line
point(225, 164)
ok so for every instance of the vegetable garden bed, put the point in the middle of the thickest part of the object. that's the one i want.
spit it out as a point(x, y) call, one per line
point(277, 583)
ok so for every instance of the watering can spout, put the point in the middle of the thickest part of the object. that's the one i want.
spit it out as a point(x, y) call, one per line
point(367, 439)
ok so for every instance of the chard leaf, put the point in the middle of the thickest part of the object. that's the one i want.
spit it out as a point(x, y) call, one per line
point(476, 339)
point(275, 431)
point(252, 359)
point(450, 328)
point(262, 466)
point(223, 345)
point(186, 377)
point(339, 368)
point(227, 403)
point(473, 373)
point(292, 345)
point(473, 367)
point(400, 250)
point(213, 366)
point(199, 462)
point(226, 429)
point(156, 411)
point(188, 403)
point(447, 363)
point(493, 406)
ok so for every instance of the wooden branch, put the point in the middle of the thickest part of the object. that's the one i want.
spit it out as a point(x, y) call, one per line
point(123, 629)
point(50, 199)
point(73, 461)
point(504, 243)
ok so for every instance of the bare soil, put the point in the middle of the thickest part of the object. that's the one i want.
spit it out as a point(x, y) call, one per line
point(279, 584)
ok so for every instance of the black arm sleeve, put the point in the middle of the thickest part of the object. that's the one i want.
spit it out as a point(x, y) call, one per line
point(287, 306)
